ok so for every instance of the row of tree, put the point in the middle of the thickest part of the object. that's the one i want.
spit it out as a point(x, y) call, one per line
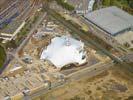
point(126, 5)
point(65, 5)
point(129, 2)
point(2, 56)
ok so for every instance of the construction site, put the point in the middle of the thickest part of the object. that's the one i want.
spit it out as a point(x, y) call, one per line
point(57, 59)
point(27, 73)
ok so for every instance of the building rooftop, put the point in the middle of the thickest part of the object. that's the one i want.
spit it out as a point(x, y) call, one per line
point(82, 5)
point(63, 51)
point(79, 4)
point(112, 20)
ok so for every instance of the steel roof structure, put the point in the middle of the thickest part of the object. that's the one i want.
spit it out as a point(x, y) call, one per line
point(112, 20)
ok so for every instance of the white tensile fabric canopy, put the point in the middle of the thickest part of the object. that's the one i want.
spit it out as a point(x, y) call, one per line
point(64, 50)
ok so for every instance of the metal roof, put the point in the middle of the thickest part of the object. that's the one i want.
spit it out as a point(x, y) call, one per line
point(79, 4)
point(112, 19)
point(64, 50)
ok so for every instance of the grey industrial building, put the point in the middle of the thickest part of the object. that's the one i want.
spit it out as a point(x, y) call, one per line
point(112, 20)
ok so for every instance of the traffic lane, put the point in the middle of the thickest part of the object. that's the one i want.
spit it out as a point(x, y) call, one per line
point(90, 71)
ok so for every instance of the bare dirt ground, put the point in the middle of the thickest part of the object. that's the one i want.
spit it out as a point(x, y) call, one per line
point(110, 85)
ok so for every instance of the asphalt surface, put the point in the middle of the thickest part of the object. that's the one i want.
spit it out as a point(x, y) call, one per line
point(91, 71)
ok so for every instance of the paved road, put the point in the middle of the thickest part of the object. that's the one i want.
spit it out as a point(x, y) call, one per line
point(31, 33)
point(17, 58)
point(91, 71)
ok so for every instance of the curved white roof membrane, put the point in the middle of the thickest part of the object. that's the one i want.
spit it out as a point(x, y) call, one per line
point(64, 50)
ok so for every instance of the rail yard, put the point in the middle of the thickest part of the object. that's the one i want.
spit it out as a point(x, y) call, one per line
point(50, 48)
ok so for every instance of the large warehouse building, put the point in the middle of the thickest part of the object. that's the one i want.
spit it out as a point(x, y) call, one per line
point(112, 20)
point(112, 25)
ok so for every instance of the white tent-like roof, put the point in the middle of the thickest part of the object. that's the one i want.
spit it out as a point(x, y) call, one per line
point(64, 50)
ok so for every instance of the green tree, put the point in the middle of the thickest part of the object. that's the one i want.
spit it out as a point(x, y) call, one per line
point(2, 56)
point(65, 5)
